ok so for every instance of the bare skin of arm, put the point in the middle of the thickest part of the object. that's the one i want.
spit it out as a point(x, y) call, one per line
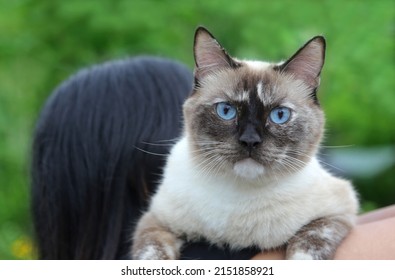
point(373, 238)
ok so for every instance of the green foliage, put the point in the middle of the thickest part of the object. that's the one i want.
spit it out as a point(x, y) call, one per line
point(43, 42)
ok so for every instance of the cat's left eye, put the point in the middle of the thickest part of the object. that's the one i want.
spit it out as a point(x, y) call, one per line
point(226, 111)
point(280, 115)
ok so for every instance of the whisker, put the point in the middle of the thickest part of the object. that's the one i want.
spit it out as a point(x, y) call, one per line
point(338, 147)
point(150, 153)
point(157, 144)
point(215, 167)
point(174, 140)
point(205, 169)
point(296, 152)
point(292, 166)
point(206, 161)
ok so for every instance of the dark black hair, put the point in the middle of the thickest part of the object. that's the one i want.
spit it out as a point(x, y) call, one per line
point(91, 178)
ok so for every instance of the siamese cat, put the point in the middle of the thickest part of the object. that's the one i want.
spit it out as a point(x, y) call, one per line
point(245, 172)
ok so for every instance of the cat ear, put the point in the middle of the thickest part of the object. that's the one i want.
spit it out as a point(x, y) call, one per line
point(307, 62)
point(209, 55)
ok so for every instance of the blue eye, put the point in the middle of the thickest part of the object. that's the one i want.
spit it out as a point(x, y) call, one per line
point(226, 111)
point(280, 115)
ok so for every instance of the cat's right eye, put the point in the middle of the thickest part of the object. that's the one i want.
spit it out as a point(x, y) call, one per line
point(226, 111)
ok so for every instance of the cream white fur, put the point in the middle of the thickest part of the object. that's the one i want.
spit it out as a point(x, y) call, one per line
point(257, 65)
point(301, 256)
point(150, 253)
point(242, 212)
point(248, 169)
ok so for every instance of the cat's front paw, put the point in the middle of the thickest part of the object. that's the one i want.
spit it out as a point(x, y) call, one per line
point(318, 240)
point(300, 255)
point(153, 241)
point(157, 251)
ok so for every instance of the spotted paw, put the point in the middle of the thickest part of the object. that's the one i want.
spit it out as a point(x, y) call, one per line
point(152, 252)
point(300, 255)
point(157, 251)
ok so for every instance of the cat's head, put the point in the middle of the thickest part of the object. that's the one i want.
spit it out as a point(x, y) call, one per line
point(254, 118)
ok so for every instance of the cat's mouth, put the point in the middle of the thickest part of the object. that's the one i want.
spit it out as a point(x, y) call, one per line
point(248, 168)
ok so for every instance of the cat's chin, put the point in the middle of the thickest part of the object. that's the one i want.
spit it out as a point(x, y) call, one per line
point(248, 169)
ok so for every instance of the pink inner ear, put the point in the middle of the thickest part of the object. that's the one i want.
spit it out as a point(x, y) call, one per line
point(209, 55)
point(307, 63)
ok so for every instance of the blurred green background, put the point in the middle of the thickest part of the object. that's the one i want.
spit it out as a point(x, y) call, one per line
point(43, 42)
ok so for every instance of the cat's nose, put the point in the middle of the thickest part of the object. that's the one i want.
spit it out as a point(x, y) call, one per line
point(250, 142)
point(250, 138)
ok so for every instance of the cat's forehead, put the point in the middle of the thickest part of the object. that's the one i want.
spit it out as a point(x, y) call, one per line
point(254, 80)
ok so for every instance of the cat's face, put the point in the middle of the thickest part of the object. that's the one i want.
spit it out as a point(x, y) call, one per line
point(254, 118)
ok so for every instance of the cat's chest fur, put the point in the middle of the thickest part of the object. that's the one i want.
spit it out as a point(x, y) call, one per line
point(227, 210)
